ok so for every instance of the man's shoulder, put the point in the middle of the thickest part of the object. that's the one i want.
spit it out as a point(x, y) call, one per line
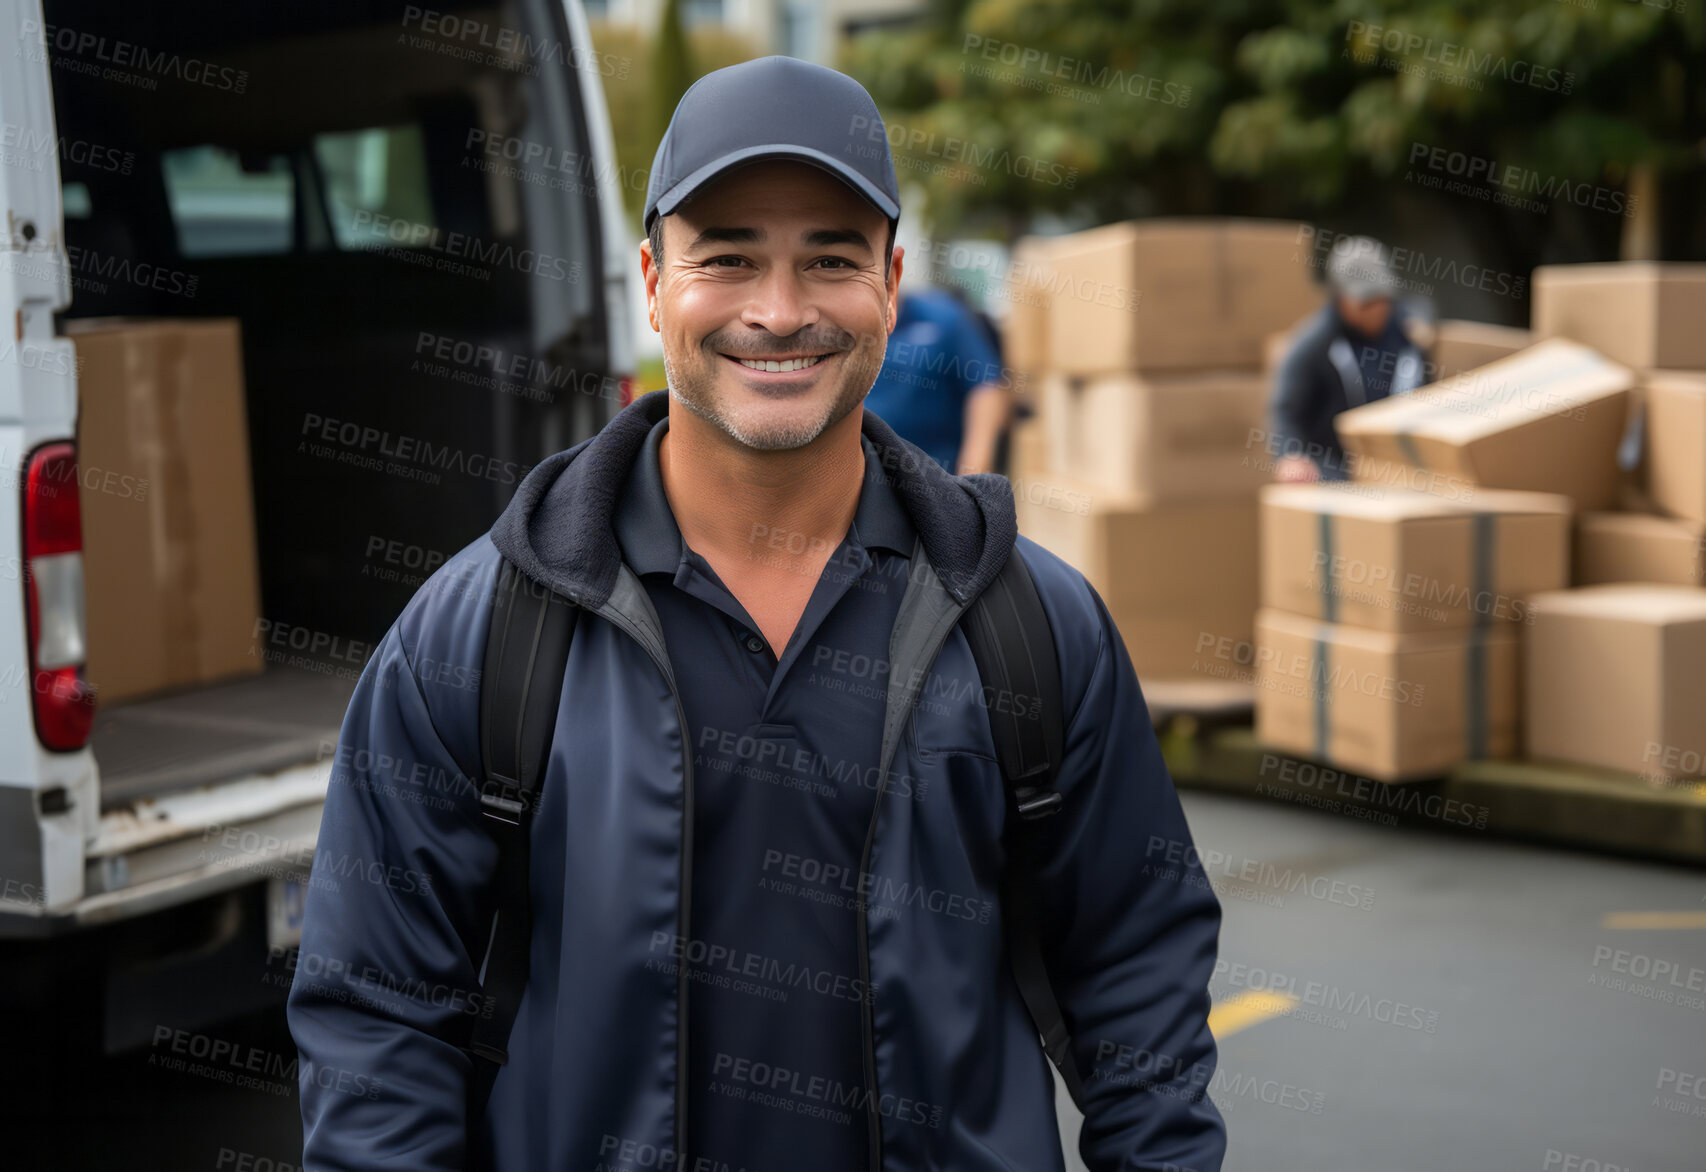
point(1316, 333)
point(444, 623)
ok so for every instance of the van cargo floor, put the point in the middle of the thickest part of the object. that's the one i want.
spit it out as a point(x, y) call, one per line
point(259, 724)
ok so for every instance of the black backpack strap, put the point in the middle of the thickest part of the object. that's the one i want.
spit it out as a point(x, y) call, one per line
point(521, 682)
point(1013, 644)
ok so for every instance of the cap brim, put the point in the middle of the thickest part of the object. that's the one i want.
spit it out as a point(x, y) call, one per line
point(683, 189)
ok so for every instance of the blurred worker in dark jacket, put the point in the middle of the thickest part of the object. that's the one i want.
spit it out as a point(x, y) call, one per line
point(1362, 346)
point(941, 385)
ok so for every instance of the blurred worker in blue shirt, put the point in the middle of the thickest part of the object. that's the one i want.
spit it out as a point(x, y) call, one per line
point(941, 385)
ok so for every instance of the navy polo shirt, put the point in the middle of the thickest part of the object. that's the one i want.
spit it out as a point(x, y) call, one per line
point(785, 754)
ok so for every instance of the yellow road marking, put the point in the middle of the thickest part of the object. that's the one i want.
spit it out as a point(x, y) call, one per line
point(1245, 1010)
point(1654, 921)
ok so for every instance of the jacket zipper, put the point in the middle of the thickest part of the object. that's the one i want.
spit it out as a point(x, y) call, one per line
point(684, 929)
point(684, 915)
point(873, 1120)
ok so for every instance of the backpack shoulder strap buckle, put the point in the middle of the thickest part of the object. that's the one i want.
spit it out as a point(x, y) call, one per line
point(1035, 802)
point(502, 799)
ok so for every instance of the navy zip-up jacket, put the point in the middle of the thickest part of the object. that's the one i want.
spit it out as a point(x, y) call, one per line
point(399, 909)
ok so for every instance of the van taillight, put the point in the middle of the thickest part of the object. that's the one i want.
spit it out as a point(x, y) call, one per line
point(64, 705)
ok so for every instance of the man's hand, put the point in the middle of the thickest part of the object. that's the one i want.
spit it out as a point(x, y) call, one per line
point(1296, 470)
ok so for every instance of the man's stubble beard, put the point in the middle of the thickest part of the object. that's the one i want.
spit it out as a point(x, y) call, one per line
point(777, 435)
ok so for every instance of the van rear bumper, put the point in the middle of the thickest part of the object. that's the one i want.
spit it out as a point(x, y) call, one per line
point(155, 854)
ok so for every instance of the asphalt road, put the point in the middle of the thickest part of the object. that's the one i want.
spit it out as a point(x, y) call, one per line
point(1492, 1006)
point(1393, 1001)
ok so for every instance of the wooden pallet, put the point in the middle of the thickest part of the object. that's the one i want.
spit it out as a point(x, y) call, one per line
point(1559, 804)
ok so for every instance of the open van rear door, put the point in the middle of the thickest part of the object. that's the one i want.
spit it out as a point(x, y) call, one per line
point(49, 806)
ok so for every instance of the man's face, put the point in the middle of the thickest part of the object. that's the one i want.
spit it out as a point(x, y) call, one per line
point(777, 264)
point(1367, 317)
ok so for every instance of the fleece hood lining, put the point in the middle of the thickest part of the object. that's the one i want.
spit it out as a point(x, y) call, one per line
point(559, 527)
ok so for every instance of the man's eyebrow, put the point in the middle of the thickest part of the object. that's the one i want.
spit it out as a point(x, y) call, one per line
point(727, 236)
point(819, 238)
point(830, 237)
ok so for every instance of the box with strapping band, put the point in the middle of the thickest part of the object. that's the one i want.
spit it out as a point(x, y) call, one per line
point(1392, 707)
point(1388, 639)
point(1546, 419)
point(1399, 560)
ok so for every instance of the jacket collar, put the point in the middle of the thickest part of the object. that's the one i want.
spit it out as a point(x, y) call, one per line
point(650, 539)
point(559, 528)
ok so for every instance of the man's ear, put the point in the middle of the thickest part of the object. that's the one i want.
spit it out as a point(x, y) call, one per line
point(649, 271)
point(895, 266)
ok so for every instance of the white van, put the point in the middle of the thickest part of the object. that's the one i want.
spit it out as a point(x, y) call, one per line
point(415, 215)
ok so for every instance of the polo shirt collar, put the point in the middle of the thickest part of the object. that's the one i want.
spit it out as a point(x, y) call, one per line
point(651, 540)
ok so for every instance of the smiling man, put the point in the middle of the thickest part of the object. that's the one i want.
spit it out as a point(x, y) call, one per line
point(772, 897)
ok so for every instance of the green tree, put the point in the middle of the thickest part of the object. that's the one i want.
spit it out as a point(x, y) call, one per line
point(631, 94)
point(1299, 107)
point(672, 67)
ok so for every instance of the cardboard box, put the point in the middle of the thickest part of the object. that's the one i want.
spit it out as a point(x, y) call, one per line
point(172, 592)
point(1637, 547)
point(1174, 294)
point(1466, 345)
point(1395, 560)
point(1028, 452)
point(1165, 439)
point(1639, 313)
point(1675, 413)
point(1387, 706)
point(1617, 677)
point(1547, 419)
point(1180, 581)
point(1025, 331)
point(1056, 397)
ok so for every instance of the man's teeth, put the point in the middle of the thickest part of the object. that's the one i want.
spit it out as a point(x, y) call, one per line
point(779, 367)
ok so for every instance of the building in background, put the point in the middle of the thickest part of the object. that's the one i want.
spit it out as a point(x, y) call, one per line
point(812, 30)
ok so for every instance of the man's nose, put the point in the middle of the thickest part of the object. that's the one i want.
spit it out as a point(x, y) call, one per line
point(780, 303)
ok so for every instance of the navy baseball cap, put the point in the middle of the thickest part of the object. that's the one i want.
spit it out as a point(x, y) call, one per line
point(773, 108)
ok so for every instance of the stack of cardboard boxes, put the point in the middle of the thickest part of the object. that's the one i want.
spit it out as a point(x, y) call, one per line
point(1140, 346)
point(1619, 664)
point(1387, 642)
point(1424, 613)
point(1615, 674)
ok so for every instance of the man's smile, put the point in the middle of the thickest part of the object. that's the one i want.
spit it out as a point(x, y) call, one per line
point(781, 374)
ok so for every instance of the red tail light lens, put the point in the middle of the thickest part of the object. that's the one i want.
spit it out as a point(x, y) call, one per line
point(62, 701)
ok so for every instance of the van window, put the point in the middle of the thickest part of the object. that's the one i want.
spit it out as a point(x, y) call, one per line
point(219, 208)
point(372, 179)
point(75, 196)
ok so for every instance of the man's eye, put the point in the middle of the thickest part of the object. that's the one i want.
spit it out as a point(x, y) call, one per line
point(837, 262)
point(725, 262)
